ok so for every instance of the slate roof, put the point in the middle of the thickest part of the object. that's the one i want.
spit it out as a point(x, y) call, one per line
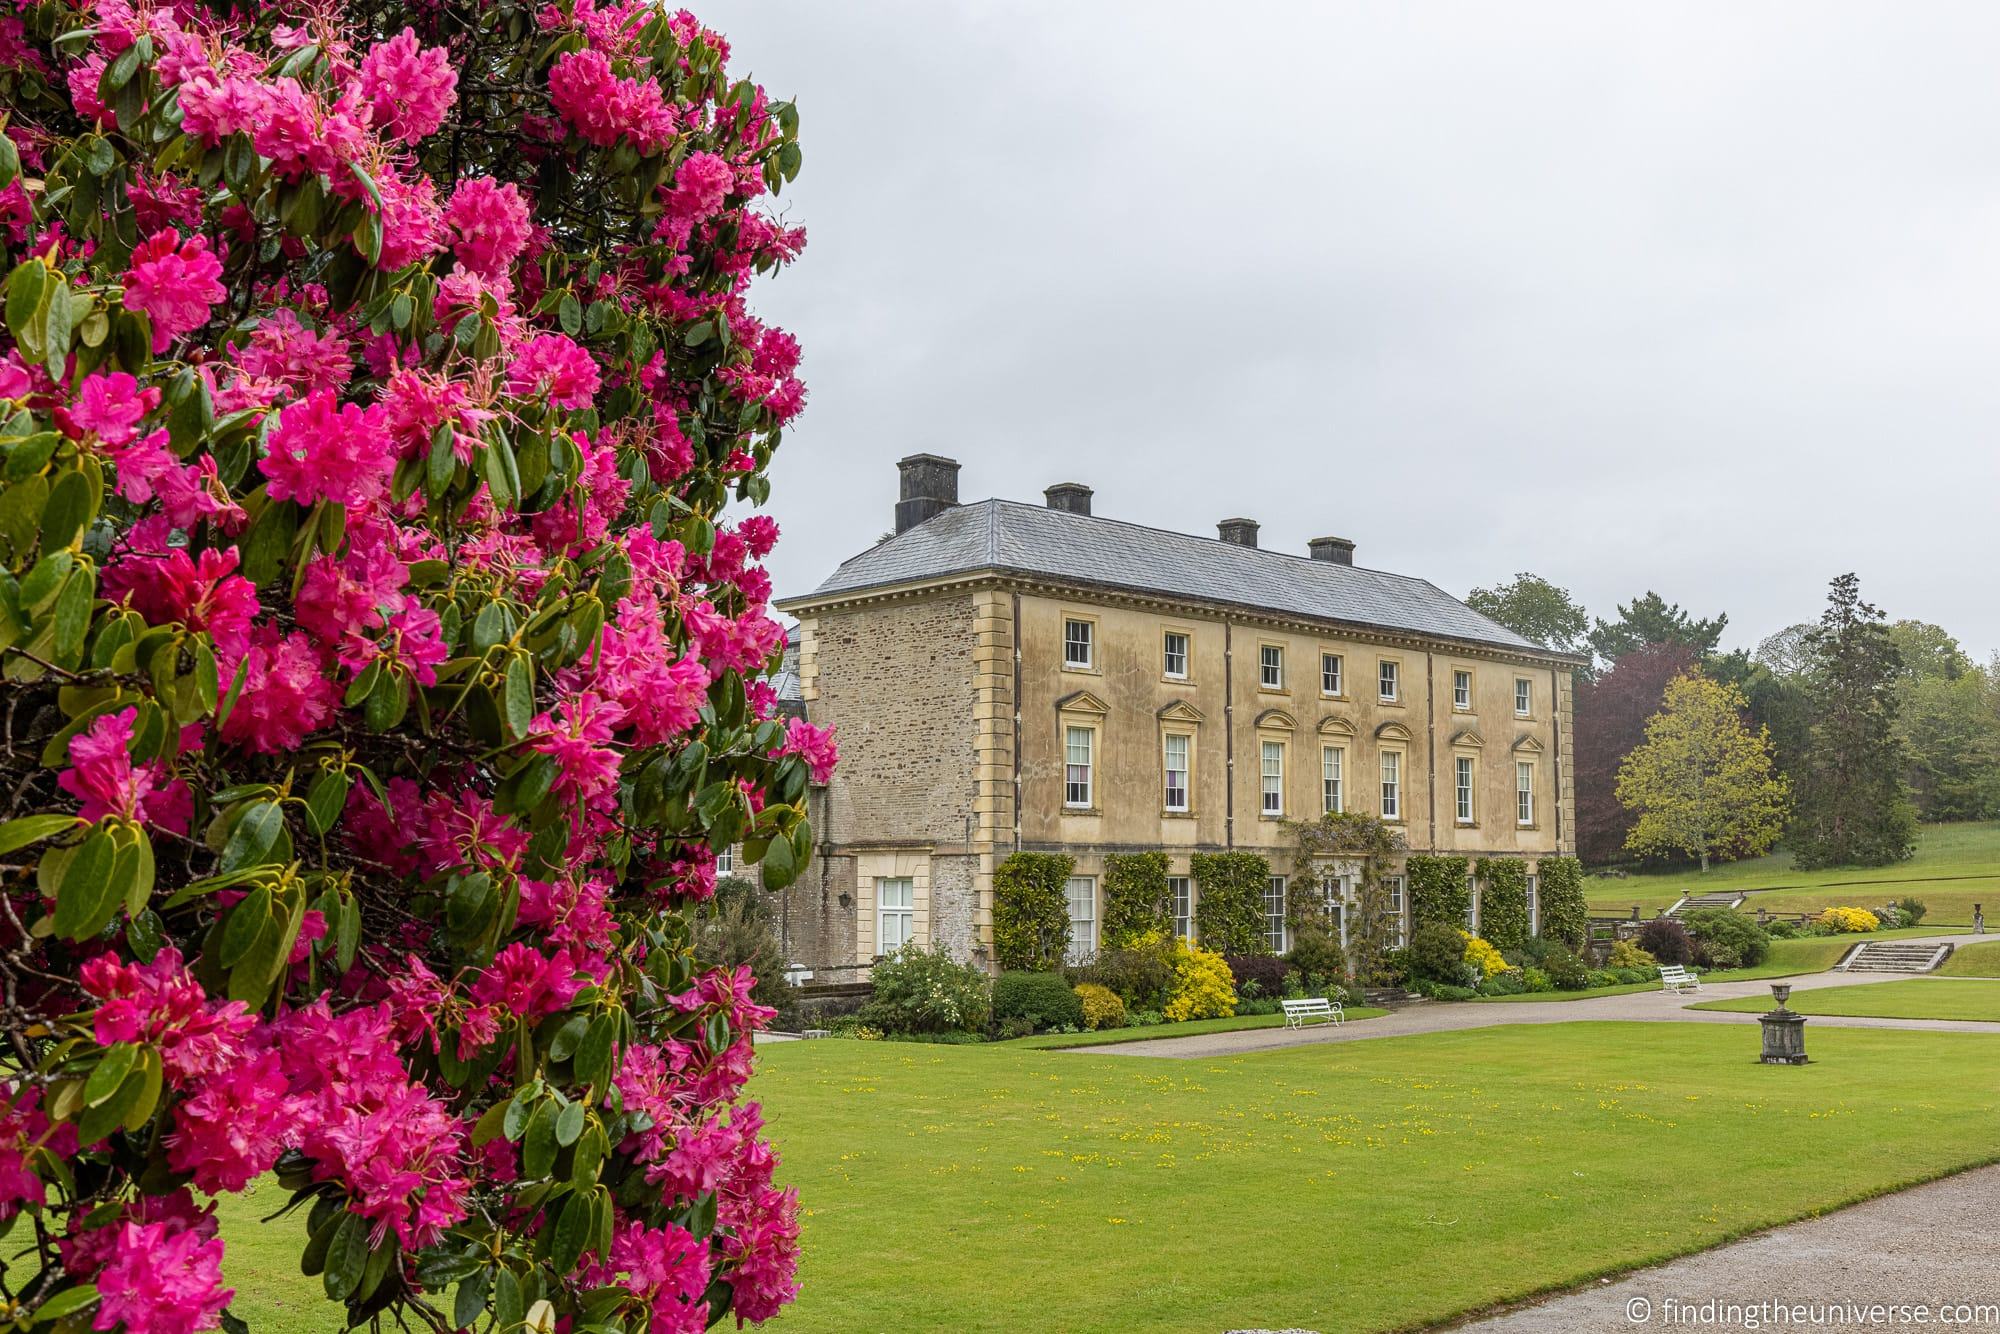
point(1107, 553)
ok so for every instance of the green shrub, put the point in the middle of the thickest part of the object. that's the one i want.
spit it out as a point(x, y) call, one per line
point(1503, 901)
point(1258, 975)
point(1437, 954)
point(737, 928)
point(937, 1039)
point(1260, 1005)
point(1535, 980)
point(1318, 963)
point(1565, 918)
point(1136, 900)
point(1781, 930)
point(1030, 914)
point(1229, 903)
point(1144, 1018)
point(1101, 1006)
point(1141, 974)
point(1503, 984)
point(1444, 991)
point(919, 990)
point(1438, 892)
point(1913, 910)
point(1040, 1000)
point(1725, 939)
point(1565, 971)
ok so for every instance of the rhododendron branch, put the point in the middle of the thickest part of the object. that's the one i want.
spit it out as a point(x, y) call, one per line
point(384, 644)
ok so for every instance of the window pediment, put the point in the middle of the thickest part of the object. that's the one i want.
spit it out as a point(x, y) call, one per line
point(1180, 711)
point(1277, 720)
point(1393, 732)
point(1335, 727)
point(1082, 701)
point(1468, 738)
point(1527, 745)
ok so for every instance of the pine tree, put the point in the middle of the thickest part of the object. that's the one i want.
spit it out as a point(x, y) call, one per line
point(1853, 803)
point(1702, 783)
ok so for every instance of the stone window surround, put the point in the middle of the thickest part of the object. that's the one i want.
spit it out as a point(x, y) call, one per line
point(1340, 673)
point(1186, 632)
point(1471, 676)
point(1181, 719)
point(1528, 682)
point(1395, 666)
point(1268, 646)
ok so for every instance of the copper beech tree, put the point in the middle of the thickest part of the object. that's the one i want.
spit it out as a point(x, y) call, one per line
point(383, 639)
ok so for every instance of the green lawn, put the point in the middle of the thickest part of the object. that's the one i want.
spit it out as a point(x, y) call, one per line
point(1113, 1036)
point(1913, 998)
point(1981, 960)
point(1971, 849)
point(1339, 1187)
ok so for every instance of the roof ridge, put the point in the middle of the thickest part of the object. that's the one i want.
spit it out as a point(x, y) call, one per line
point(1033, 508)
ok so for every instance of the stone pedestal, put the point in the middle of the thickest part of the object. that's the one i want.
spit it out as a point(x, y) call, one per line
point(1784, 1037)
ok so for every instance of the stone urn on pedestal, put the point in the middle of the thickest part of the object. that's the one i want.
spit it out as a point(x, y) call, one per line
point(1784, 1031)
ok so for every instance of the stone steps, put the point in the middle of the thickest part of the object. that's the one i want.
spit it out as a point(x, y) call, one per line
point(1717, 899)
point(1888, 956)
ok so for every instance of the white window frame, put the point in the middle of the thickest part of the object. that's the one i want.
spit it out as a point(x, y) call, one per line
point(1336, 892)
point(1398, 889)
point(1087, 641)
point(1181, 887)
point(1332, 779)
point(1332, 682)
point(1524, 697)
point(1465, 782)
point(1186, 771)
point(1461, 688)
point(903, 914)
point(1270, 666)
point(1389, 680)
point(1390, 769)
point(725, 862)
point(1082, 944)
point(1524, 793)
point(1472, 903)
point(1167, 654)
point(1534, 904)
point(1271, 778)
point(1071, 732)
point(1274, 896)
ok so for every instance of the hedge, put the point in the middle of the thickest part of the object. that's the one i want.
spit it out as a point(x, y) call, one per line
point(1030, 913)
point(1229, 903)
point(1564, 916)
point(1503, 901)
point(1438, 891)
point(1136, 900)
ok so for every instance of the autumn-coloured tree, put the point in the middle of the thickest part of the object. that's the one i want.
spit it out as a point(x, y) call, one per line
point(1611, 715)
point(1701, 783)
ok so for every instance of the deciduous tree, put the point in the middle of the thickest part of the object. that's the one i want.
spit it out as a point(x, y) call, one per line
point(1534, 607)
point(1701, 783)
point(1611, 714)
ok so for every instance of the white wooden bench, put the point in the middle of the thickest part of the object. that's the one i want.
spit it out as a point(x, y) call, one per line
point(1312, 1007)
point(1675, 978)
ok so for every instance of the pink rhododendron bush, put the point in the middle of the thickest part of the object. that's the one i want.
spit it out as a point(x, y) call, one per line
point(383, 639)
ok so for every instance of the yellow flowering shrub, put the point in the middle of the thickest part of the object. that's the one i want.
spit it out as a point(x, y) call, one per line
point(1101, 1006)
point(1627, 954)
point(1203, 986)
point(1483, 954)
point(1850, 919)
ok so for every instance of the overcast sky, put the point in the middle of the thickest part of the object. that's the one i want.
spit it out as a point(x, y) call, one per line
point(1699, 298)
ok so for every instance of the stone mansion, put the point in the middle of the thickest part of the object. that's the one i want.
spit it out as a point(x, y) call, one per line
point(1010, 677)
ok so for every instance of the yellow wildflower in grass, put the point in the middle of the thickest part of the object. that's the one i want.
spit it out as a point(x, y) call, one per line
point(1850, 920)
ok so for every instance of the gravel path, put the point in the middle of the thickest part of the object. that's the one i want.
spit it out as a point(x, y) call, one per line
point(1930, 1247)
point(1643, 1006)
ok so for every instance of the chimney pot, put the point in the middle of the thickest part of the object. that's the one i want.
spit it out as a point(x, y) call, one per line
point(1241, 532)
point(929, 487)
point(1070, 497)
point(1337, 550)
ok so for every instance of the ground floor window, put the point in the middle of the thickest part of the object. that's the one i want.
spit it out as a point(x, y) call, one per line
point(1081, 891)
point(1183, 891)
point(1396, 887)
point(1534, 905)
point(1472, 905)
point(1334, 893)
point(895, 913)
point(1274, 914)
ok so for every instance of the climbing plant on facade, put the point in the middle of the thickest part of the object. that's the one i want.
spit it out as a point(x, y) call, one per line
point(1363, 846)
point(383, 635)
point(1438, 892)
point(1030, 914)
point(1136, 899)
point(1564, 914)
point(1229, 901)
point(1503, 901)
